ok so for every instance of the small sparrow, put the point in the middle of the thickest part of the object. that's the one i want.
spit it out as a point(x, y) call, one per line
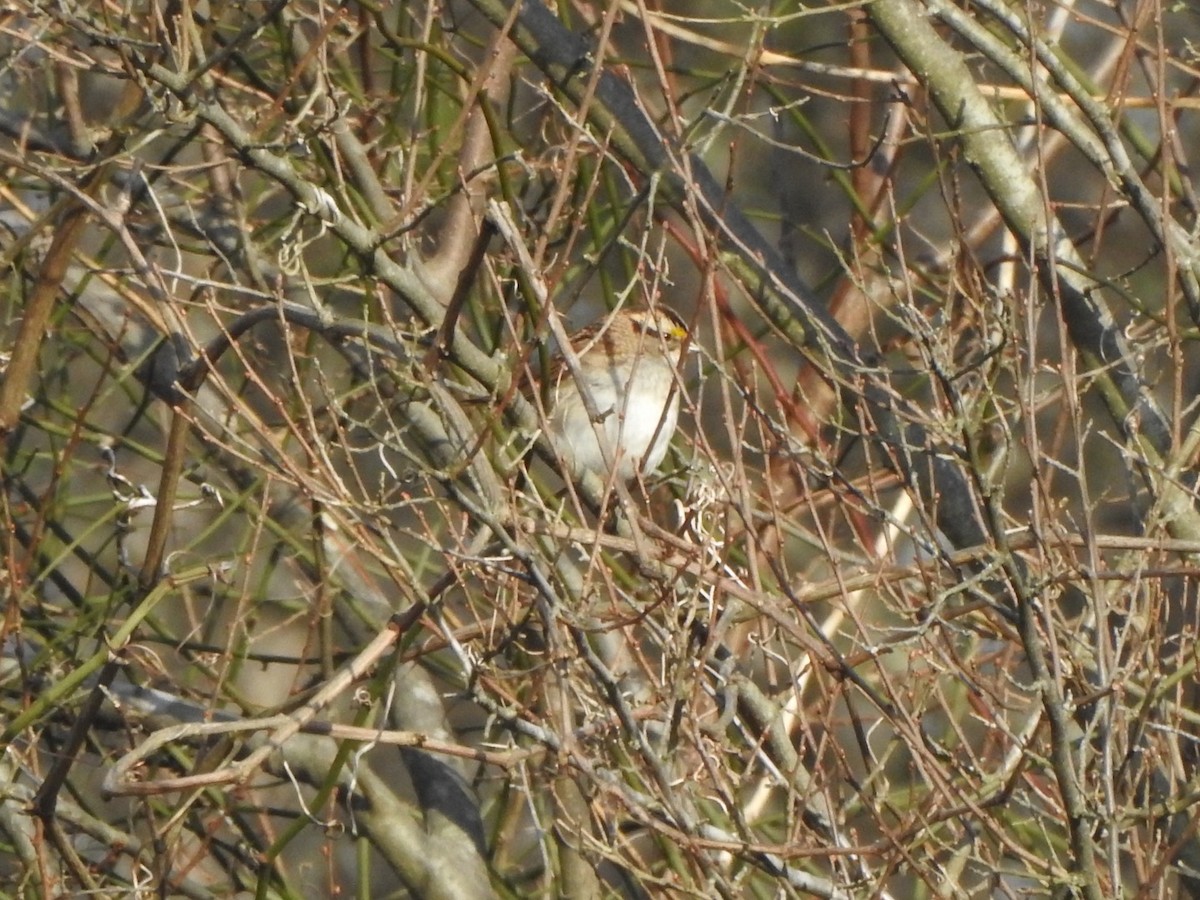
point(628, 364)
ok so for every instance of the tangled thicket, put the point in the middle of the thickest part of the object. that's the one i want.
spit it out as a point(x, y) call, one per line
point(297, 600)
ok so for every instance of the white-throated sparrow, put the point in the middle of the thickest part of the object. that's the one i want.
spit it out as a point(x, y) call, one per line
point(627, 366)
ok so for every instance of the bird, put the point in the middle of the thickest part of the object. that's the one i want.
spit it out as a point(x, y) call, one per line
point(628, 363)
